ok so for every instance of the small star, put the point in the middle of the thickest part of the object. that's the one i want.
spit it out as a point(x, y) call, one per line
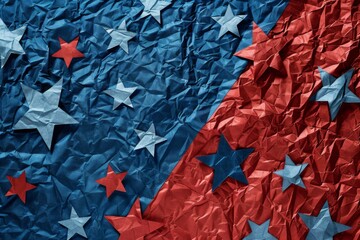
point(322, 226)
point(112, 181)
point(153, 8)
point(264, 52)
point(120, 37)
point(259, 232)
point(133, 226)
point(229, 22)
point(44, 113)
point(335, 91)
point(291, 173)
point(68, 51)
point(148, 139)
point(121, 94)
point(226, 163)
point(19, 186)
point(10, 42)
point(75, 224)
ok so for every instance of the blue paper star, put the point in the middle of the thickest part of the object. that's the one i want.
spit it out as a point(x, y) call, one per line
point(259, 232)
point(335, 91)
point(322, 227)
point(229, 22)
point(154, 8)
point(291, 173)
point(75, 224)
point(226, 163)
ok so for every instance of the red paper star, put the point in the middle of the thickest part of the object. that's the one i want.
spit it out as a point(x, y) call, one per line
point(68, 51)
point(133, 226)
point(112, 181)
point(264, 52)
point(19, 186)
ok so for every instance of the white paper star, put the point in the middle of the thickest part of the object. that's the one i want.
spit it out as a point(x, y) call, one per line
point(120, 37)
point(229, 22)
point(9, 42)
point(44, 113)
point(75, 224)
point(148, 139)
point(153, 8)
point(121, 94)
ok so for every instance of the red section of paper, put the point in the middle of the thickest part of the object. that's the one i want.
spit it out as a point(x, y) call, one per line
point(112, 181)
point(276, 117)
point(68, 51)
point(19, 186)
point(133, 226)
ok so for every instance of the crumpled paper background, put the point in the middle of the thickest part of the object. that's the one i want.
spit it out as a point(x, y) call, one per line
point(182, 72)
point(274, 115)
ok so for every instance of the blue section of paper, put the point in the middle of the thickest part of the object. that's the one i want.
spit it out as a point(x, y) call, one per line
point(181, 71)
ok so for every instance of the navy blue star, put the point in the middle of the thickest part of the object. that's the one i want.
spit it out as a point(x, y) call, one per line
point(226, 163)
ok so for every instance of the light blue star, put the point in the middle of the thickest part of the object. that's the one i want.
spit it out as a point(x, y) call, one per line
point(120, 37)
point(121, 94)
point(75, 224)
point(44, 112)
point(291, 173)
point(335, 91)
point(226, 163)
point(153, 8)
point(259, 232)
point(148, 139)
point(10, 42)
point(229, 22)
point(322, 227)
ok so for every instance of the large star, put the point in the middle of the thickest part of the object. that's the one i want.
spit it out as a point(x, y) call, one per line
point(229, 22)
point(291, 173)
point(10, 42)
point(148, 139)
point(68, 51)
point(133, 226)
point(44, 113)
point(120, 37)
point(19, 186)
point(335, 91)
point(226, 163)
point(121, 94)
point(75, 224)
point(112, 181)
point(153, 8)
point(322, 226)
point(260, 232)
point(264, 52)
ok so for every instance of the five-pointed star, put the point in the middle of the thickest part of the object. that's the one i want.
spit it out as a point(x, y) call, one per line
point(10, 42)
point(75, 224)
point(226, 163)
point(19, 186)
point(120, 37)
point(148, 139)
point(335, 91)
point(264, 52)
point(121, 94)
point(322, 226)
point(259, 231)
point(68, 51)
point(44, 112)
point(133, 226)
point(153, 8)
point(112, 181)
point(291, 173)
point(229, 22)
